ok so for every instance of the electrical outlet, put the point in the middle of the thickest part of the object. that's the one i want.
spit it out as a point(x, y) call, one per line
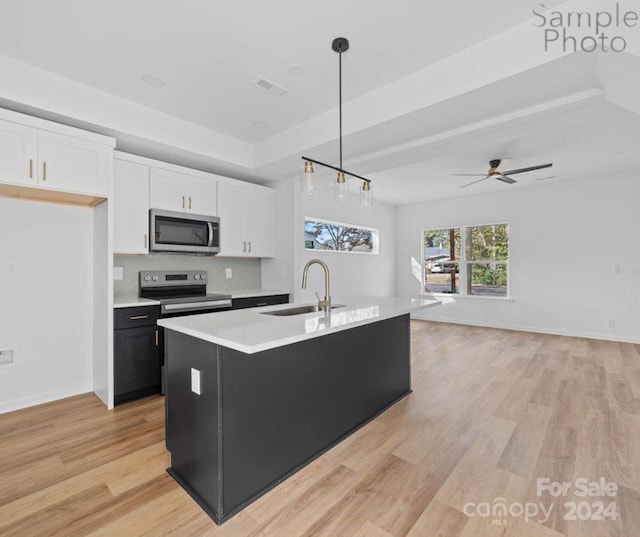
point(611, 323)
point(228, 273)
point(616, 269)
point(6, 356)
point(118, 273)
point(12, 268)
point(196, 381)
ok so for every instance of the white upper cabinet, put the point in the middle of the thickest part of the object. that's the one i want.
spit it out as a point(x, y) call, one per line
point(262, 224)
point(130, 208)
point(18, 153)
point(68, 163)
point(175, 191)
point(232, 213)
point(201, 195)
point(247, 215)
point(52, 157)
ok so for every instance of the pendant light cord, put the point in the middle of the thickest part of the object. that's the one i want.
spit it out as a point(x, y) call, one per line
point(340, 101)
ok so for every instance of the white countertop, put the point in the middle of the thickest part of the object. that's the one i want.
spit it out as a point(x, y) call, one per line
point(250, 331)
point(134, 301)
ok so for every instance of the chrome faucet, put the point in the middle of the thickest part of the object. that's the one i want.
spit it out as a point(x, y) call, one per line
point(326, 303)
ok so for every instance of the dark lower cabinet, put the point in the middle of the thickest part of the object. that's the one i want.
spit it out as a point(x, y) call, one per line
point(137, 357)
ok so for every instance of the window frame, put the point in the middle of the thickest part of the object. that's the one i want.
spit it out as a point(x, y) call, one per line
point(375, 235)
point(463, 263)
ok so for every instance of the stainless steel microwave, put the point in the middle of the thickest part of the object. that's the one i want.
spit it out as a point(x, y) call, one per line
point(183, 233)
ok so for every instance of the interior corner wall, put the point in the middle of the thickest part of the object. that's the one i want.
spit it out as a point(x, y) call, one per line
point(277, 272)
point(46, 311)
point(352, 274)
point(566, 240)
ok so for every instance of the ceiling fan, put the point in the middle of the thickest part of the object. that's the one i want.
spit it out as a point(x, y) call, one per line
point(496, 173)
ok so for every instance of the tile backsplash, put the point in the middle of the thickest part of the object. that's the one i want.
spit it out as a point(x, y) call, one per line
point(246, 272)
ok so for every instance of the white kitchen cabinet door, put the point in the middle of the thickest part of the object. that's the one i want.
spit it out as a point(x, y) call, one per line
point(130, 208)
point(232, 211)
point(72, 164)
point(18, 153)
point(201, 195)
point(167, 190)
point(260, 224)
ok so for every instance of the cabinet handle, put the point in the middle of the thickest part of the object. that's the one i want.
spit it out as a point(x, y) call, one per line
point(138, 317)
point(262, 304)
point(244, 246)
point(44, 170)
point(156, 338)
point(31, 168)
point(145, 240)
point(183, 202)
point(249, 246)
point(189, 202)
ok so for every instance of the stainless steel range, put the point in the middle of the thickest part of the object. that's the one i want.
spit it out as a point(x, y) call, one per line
point(181, 292)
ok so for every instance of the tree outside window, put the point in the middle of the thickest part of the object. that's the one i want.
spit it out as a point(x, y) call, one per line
point(338, 237)
point(483, 263)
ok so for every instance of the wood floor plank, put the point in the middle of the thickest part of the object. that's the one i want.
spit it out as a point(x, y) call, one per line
point(491, 412)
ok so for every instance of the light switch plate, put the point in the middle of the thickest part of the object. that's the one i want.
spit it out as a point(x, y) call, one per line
point(196, 381)
point(118, 273)
point(229, 273)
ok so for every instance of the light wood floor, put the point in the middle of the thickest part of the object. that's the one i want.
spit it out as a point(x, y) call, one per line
point(491, 411)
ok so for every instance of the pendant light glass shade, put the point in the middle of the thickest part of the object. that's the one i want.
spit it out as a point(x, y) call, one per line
point(340, 189)
point(366, 195)
point(307, 180)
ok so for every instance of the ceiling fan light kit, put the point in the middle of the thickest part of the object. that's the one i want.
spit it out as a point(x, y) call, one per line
point(339, 45)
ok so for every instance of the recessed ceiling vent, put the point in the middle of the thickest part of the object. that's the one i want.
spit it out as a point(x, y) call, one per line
point(270, 87)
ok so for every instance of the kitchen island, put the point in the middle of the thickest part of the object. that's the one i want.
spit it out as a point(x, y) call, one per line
point(253, 395)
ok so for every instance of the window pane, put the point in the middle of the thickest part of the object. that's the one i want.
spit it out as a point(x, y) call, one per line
point(443, 277)
point(488, 279)
point(487, 243)
point(336, 237)
point(442, 249)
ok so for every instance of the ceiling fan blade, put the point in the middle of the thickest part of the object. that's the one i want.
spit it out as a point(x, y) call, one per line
point(474, 182)
point(504, 179)
point(530, 169)
point(468, 174)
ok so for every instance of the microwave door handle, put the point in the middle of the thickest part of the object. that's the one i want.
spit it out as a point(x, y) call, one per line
point(210, 243)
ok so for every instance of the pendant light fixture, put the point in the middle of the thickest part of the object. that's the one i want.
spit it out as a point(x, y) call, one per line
point(339, 45)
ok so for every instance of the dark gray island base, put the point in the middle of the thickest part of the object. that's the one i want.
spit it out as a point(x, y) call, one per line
point(263, 416)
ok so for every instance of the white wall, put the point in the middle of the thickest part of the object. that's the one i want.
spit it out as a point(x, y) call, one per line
point(351, 274)
point(565, 238)
point(46, 311)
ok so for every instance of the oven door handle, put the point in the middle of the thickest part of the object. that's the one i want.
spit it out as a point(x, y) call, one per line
point(210, 243)
point(201, 305)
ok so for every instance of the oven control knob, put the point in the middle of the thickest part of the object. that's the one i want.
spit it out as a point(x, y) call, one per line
point(147, 278)
point(155, 278)
point(203, 276)
point(196, 276)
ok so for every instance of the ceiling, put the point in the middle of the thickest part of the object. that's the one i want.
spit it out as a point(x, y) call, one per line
point(430, 88)
point(599, 140)
point(210, 53)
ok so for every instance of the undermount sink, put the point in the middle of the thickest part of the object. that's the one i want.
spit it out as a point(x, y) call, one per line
point(298, 310)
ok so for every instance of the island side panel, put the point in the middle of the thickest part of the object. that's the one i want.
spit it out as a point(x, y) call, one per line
point(283, 407)
point(192, 420)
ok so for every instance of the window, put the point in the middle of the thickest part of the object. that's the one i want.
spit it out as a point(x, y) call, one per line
point(330, 236)
point(482, 265)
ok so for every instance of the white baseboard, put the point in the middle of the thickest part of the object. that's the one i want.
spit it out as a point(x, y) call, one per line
point(537, 330)
point(38, 399)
